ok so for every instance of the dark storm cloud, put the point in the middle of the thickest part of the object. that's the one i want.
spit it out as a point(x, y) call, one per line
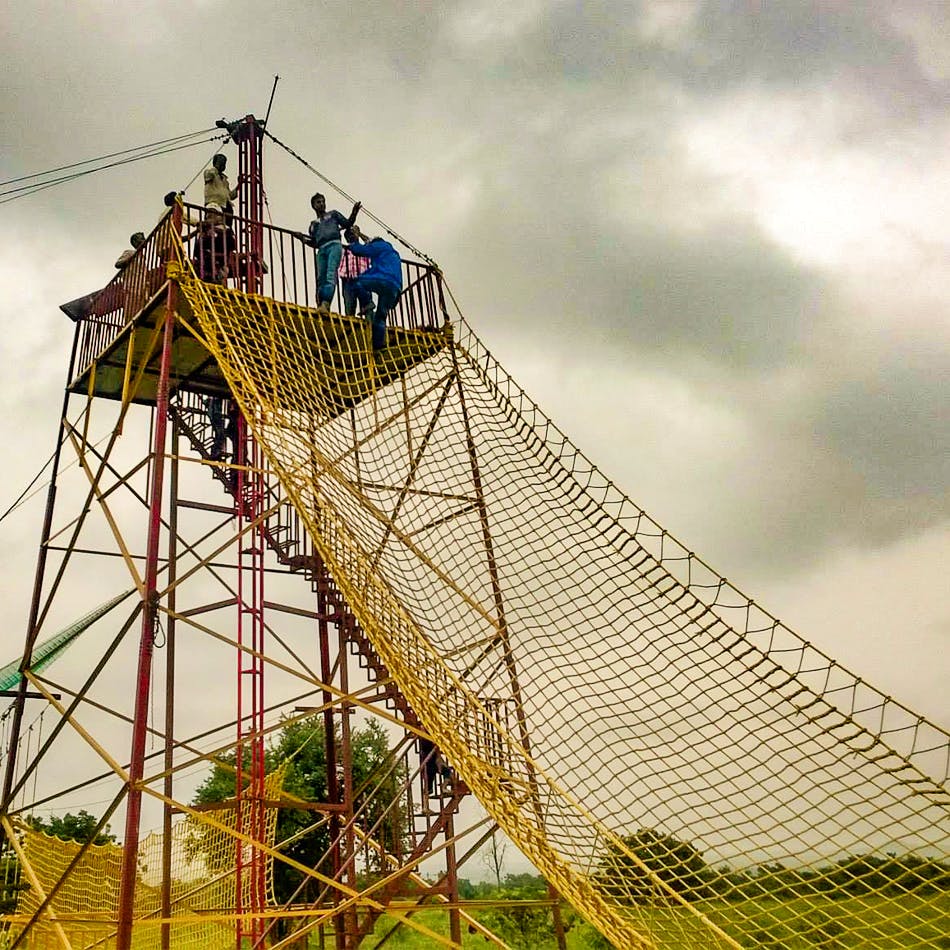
point(649, 269)
point(892, 422)
point(744, 395)
point(537, 151)
point(732, 299)
point(791, 43)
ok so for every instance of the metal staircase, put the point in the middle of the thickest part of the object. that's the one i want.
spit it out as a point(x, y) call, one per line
point(287, 538)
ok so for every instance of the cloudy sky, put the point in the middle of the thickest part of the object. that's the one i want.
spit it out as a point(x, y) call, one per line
point(708, 238)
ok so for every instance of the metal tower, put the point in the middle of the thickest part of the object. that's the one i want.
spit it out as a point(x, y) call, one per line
point(242, 574)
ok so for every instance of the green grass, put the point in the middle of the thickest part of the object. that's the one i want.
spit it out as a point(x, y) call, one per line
point(877, 923)
point(900, 923)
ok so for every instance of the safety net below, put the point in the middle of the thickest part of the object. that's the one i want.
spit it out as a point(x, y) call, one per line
point(187, 885)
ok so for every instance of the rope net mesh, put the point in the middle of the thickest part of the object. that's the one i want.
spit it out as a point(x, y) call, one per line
point(650, 738)
point(85, 888)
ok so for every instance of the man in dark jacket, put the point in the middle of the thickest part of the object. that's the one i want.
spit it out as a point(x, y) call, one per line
point(383, 278)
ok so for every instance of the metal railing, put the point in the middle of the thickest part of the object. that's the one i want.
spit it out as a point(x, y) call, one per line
point(284, 269)
point(290, 271)
point(105, 312)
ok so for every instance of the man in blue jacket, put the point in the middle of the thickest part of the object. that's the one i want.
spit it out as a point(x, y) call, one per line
point(383, 278)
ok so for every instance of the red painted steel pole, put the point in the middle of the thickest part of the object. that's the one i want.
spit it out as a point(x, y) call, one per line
point(251, 189)
point(133, 813)
point(169, 758)
point(250, 883)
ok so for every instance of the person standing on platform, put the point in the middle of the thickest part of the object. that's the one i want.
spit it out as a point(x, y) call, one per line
point(186, 216)
point(383, 278)
point(131, 265)
point(218, 190)
point(135, 242)
point(324, 237)
point(113, 295)
point(214, 248)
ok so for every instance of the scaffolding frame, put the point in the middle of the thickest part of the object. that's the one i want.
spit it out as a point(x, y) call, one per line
point(348, 909)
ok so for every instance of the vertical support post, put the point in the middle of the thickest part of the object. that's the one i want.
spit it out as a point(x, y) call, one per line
point(169, 759)
point(249, 499)
point(452, 877)
point(329, 737)
point(149, 620)
point(249, 797)
point(251, 195)
point(348, 871)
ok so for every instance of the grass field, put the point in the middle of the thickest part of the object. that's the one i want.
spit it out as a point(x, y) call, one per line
point(878, 923)
point(899, 923)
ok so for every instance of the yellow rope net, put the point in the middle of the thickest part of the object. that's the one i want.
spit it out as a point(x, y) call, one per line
point(686, 770)
point(80, 891)
point(83, 890)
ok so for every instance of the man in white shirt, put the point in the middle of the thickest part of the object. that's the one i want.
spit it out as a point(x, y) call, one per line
point(218, 190)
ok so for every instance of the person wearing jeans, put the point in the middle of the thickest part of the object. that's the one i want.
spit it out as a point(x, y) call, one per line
point(324, 237)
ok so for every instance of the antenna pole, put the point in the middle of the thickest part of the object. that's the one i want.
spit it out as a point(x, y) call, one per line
point(271, 102)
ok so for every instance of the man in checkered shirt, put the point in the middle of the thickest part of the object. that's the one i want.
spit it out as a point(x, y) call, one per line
point(351, 267)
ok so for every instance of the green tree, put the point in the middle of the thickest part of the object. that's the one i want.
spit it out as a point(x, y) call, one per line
point(891, 874)
point(378, 781)
point(592, 938)
point(300, 744)
point(522, 926)
point(11, 883)
point(493, 857)
point(80, 827)
point(661, 864)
